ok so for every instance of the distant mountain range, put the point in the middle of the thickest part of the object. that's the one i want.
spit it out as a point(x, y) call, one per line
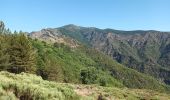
point(145, 51)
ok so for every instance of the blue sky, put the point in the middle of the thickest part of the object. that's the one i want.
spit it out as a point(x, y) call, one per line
point(33, 15)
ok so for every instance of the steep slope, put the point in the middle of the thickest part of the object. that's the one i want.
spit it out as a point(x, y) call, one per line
point(52, 36)
point(61, 63)
point(88, 66)
point(26, 86)
point(144, 51)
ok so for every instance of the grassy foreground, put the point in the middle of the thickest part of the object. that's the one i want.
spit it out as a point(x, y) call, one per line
point(31, 87)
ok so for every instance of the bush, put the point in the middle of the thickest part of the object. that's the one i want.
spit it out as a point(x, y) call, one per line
point(30, 87)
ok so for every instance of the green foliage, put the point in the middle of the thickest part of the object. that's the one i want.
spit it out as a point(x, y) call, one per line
point(61, 63)
point(4, 57)
point(22, 55)
point(75, 33)
point(2, 27)
point(30, 87)
point(87, 66)
point(126, 75)
point(145, 51)
point(16, 53)
point(89, 76)
point(26, 86)
point(62, 45)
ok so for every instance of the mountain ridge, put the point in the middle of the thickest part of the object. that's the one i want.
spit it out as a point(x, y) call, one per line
point(93, 27)
point(61, 55)
point(141, 50)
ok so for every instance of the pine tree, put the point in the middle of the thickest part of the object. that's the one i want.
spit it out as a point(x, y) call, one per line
point(7, 31)
point(22, 55)
point(4, 57)
point(2, 27)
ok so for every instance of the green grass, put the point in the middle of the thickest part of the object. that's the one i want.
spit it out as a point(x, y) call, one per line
point(31, 87)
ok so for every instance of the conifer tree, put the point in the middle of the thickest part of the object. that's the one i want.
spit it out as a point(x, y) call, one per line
point(4, 57)
point(2, 27)
point(22, 55)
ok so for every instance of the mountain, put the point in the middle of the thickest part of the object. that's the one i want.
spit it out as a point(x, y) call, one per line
point(61, 62)
point(52, 36)
point(67, 56)
point(83, 65)
point(145, 51)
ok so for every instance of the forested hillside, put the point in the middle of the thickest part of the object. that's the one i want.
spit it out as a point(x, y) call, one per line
point(66, 61)
point(144, 51)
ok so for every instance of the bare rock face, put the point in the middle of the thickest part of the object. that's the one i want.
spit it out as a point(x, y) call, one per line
point(52, 36)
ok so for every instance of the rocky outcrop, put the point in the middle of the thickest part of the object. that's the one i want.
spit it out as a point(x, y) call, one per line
point(52, 36)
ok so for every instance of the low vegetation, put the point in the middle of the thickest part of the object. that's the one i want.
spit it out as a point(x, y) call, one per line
point(31, 87)
point(26, 86)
